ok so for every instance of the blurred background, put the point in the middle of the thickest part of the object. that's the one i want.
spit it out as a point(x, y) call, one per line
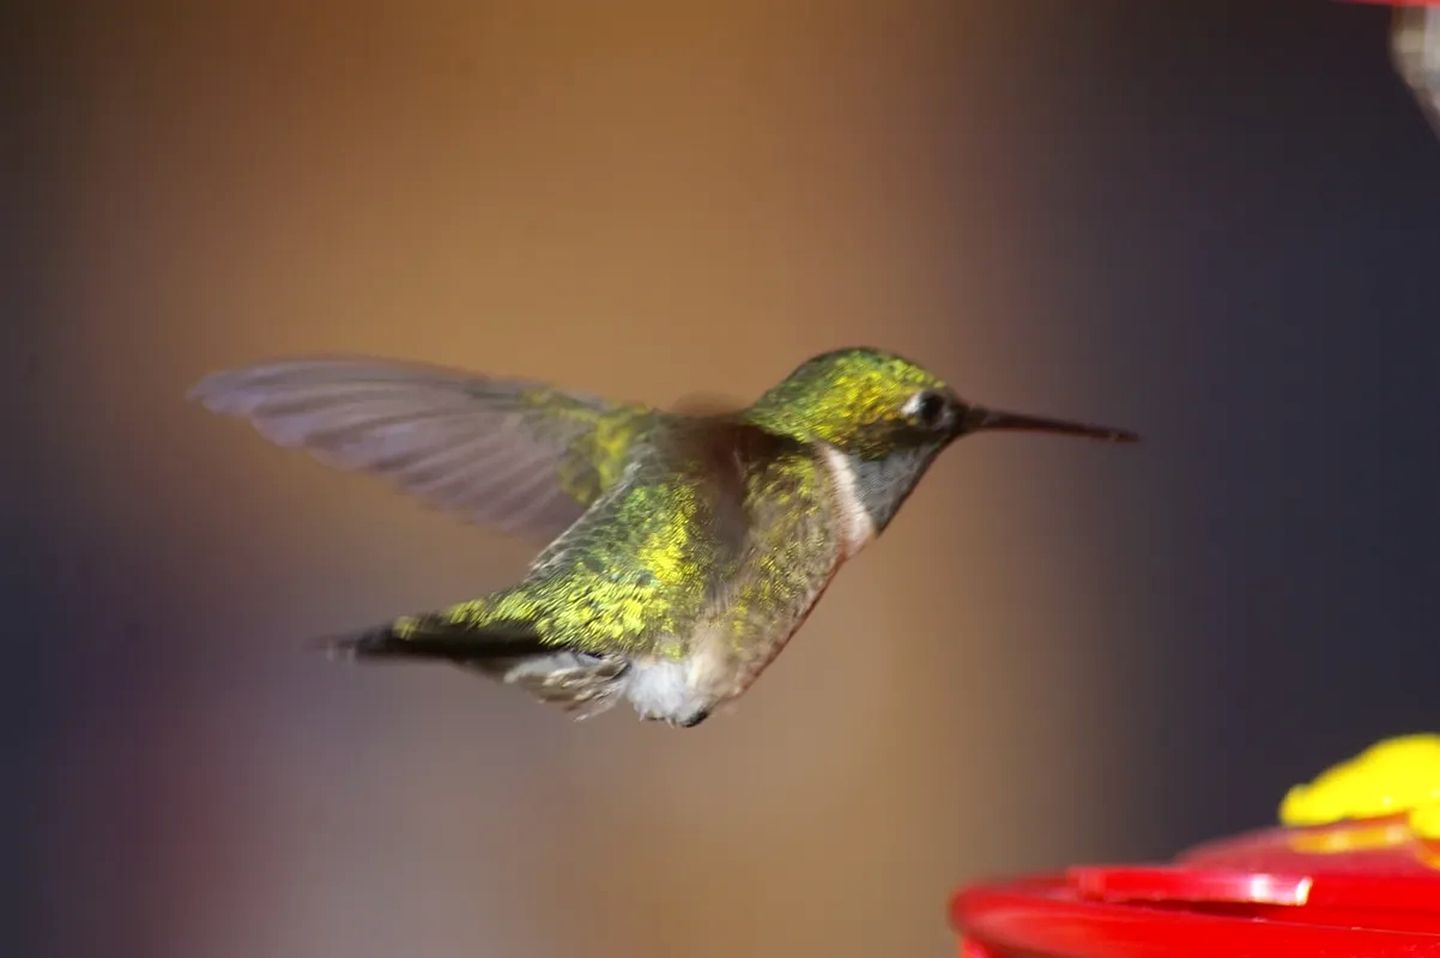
point(1218, 224)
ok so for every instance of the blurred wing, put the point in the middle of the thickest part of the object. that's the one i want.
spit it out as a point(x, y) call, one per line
point(794, 545)
point(516, 455)
point(638, 569)
point(729, 527)
point(647, 559)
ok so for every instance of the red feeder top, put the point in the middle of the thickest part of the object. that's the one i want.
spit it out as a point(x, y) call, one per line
point(1353, 870)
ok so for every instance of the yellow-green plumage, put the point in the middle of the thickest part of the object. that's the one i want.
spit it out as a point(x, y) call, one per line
point(851, 399)
point(599, 443)
point(653, 561)
point(683, 551)
point(635, 567)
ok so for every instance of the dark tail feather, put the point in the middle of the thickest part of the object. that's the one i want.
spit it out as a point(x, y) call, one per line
point(432, 641)
point(373, 643)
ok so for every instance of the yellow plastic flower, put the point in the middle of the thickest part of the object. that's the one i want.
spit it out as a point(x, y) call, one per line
point(1396, 776)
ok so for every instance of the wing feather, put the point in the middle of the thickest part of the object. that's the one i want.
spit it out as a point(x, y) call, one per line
point(509, 453)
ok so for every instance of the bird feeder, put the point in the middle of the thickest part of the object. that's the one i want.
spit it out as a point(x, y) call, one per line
point(1353, 869)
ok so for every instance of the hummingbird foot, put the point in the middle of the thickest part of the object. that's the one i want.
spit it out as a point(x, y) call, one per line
point(688, 722)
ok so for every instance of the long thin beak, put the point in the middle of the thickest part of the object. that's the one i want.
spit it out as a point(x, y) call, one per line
point(978, 418)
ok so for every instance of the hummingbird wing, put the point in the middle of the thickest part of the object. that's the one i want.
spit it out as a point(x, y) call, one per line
point(516, 455)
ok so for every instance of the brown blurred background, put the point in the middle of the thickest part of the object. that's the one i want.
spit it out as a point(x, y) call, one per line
point(1209, 224)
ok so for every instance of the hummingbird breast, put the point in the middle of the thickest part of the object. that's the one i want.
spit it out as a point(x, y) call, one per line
point(805, 520)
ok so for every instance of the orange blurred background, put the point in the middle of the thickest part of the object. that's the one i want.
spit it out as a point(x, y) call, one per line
point(635, 199)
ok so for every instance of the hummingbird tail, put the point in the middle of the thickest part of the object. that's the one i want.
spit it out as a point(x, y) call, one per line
point(373, 643)
point(581, 683)
point(451, 643)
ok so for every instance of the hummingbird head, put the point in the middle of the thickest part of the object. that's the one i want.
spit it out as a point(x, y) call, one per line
point(889, 418)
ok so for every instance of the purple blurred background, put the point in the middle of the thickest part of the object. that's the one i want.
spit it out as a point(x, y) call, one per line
point(1218, 224)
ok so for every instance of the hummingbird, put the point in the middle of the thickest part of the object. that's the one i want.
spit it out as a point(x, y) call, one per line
point(681, 550)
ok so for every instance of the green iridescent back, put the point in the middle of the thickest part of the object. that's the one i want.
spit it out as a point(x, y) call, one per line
point(637, 566)
point(733, 537)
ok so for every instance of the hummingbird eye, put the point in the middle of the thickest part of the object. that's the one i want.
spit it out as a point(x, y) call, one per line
point(928, 408)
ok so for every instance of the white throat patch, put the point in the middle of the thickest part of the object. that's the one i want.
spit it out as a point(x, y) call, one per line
point(855, 526)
